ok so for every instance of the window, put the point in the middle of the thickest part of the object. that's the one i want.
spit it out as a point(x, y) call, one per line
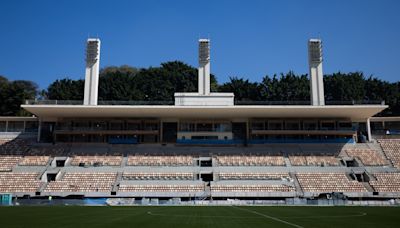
point(258, 125)
point(15, 126)
point(186, 127)
point(222, 127)
point(345, 126)
point(292, 125)
point(3, 126)
point(327, 126)
point(310, 125)
point(204, 127)
point(31, 126)
point(275, 125)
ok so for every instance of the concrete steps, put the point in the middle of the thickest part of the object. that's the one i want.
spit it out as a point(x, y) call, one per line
point(115, 186)
point(299, 190)
point(287, 162)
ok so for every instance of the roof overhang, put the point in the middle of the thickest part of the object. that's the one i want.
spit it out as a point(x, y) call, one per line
point(353, 112)
point(18, 118)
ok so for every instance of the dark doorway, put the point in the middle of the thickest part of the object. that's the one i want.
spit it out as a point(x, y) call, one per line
point(60, 163)
point(239, 131)
point(46, 132)
point(206, 163)
point(170, 132)
point(207, 177)
point(51, 177)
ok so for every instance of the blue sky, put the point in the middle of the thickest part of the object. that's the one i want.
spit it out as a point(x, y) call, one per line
point(45, 40)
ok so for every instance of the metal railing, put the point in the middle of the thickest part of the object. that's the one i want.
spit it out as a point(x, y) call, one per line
point(352, 102)
point(100, 102)
point(170, 102)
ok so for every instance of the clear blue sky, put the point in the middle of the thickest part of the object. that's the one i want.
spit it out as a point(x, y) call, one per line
point(45, 40)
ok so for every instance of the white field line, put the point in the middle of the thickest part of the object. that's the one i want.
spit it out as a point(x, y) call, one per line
point(269, 217)
point(361, 214)
point(199, 216)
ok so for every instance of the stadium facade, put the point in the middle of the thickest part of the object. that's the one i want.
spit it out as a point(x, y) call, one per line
point(203, 146)
point(203, 117)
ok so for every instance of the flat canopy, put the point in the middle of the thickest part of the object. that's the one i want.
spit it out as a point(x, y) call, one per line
point(354, 112)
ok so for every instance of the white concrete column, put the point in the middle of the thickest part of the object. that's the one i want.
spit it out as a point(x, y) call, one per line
point(39, 130)
point(161, 136)
point(316, 73)
point(369, 130)
point(92, 72)
point(204, 67)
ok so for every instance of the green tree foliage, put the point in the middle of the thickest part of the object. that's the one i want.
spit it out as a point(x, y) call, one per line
point(13, 94)
point(160, 83)
point(128, 83)
point(288, 87)
point(65, 89)
point(244, 90)
point(345, 87)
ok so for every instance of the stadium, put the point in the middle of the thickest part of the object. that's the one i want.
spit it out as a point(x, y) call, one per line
point(204, 149)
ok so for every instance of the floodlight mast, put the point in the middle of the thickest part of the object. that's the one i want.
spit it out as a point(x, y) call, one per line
point(204, 67)
point(316, 75)
point(92, 71)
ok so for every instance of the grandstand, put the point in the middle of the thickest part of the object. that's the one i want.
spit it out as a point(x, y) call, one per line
point(204, 148)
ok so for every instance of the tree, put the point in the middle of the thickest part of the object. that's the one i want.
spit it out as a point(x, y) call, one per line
point(66, 89)
point(13, 94)
point(244, 90)
point(126, 83)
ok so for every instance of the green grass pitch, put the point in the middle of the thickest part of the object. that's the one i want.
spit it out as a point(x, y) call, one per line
point(199, 216)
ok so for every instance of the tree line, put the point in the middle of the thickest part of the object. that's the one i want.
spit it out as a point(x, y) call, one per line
point(160, 83)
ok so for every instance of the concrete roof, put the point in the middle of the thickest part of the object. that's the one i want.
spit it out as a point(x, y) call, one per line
point(354, 112)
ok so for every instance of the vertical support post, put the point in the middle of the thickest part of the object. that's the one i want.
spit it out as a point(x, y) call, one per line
point(369, 129)
point(7, 126)
point(39, 130)
point(247, 131)
point(161, 138)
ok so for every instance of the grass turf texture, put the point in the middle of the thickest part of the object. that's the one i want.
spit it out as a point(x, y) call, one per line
point(200, 216)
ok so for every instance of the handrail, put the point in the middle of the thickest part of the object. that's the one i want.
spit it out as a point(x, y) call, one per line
point(170, 102)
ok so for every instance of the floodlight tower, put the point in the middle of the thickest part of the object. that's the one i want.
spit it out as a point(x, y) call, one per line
point(204, 67)
point(316, 75)
point(92, 71)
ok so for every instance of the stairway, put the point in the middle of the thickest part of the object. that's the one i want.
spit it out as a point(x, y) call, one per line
point(287, 162)
point(296, 183)
point(377, 147)
point(115, 186)
point(368, 186)
point(207, 194)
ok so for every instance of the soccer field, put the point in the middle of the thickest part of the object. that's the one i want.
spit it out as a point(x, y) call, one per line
point(200, 216)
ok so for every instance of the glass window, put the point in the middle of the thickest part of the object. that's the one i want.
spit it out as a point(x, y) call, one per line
point(15, 126)
point(259, 125)
point(204, 127)
point(292, 125)
point(3, 126)
point(310, 126)
point(151, 126)
point(345, 126)
point(133, 126)
point(275, 125)
point(81, 125)
point(116, 126)
point(99, 125)
point(186, 127)
point(222, 127)
point(31, 126)
point(327, 126)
